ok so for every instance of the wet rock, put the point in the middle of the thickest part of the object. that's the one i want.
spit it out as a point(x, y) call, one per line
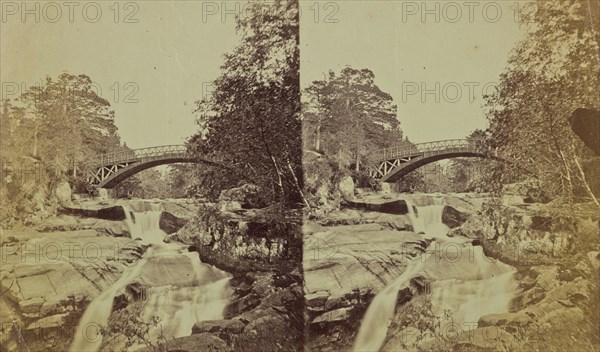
point(342, 217)
point(333, 316)
point(32, 306)
point(283, 280)
point(271, 331)
point(397, 206)
point(453, 218)
point(111, 213)
point(241, 305)
point(454, 232)
point(62, 192)
point(586, 124)
point(112, 228)
point(594, 258)
point(364, 257)
point(316, 299)
point(51, 322)
point(515, 319)
point(248, 196)
point(198, 342)
point(346, 187)
point(249, 241)
point(229, 326)
point(170, 223)
point(395, 222)
point(47, 274)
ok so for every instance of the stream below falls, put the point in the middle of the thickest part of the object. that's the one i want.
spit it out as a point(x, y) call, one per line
point(180, 289)
point(465, 284)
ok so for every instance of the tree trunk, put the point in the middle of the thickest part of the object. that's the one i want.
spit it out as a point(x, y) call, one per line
point(35, 141)
point(297, 183)
point(318, 138)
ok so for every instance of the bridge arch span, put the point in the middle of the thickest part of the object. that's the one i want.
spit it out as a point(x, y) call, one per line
point(394, 163)
point(412, 166)
point(124, 173)
point(108, 170)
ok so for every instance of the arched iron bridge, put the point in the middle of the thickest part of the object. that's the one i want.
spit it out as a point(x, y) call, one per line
point(393, 163)
point(107, 170)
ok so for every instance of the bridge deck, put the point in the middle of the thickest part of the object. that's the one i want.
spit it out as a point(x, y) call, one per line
point(412, 150)
point(138, 154)
point(394, 163)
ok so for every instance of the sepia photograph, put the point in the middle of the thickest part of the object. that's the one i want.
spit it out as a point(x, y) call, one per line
point(299, 175)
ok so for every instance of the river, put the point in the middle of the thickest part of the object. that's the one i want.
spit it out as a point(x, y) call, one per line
point(465, 283)
point(180, 290)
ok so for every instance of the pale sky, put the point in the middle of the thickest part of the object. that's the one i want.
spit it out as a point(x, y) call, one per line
point(170, 55)
point(176, 47)
point(408, 54)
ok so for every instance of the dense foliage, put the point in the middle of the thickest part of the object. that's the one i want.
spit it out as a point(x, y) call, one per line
point(552, 72)
point(250, 123)
point(46, 133)
point(347, 117)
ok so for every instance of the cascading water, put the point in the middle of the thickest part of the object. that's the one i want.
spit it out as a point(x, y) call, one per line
point(469, 287)
point(182, 289)
point(377, 319)
point(428, 218)
point(487, 288)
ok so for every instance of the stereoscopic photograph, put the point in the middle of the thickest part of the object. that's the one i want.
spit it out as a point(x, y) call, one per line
point(284, 175)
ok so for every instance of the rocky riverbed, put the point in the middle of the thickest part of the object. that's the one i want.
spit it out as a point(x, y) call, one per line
point(50, 272)
point(353, 254)
point(262, 250)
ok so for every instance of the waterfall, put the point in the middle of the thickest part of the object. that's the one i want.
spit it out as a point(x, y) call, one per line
point(428, 218)
point(179, 308)
point(379, 315)
point(488, 288)
point(179, 303)
point(470, 299)
point(145, 225)
point(87, 335)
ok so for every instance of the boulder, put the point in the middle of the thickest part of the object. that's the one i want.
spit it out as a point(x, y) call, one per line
point(586, 124)
point(397, 206)
point(386, 187)
point(333, 316)
point(453, 218)
point(51, 322)
point(31, 306)
point(170, 223)
point(102, 193)
point(63, 193)
point(594, 258)
point(346, 187)
point(230, 326)
point(112, 228)
point(248, 195)
point(197, 342)
point(316, 299)
point(241, 305)
point(111, 213)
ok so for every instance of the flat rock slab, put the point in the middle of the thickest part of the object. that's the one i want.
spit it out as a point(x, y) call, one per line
point(41, 271)
point(364, 257)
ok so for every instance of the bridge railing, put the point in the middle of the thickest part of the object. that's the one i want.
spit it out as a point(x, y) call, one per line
point(412, 149)
point(130, 155)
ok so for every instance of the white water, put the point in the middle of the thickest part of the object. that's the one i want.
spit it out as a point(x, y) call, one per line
point(380, 313)
point(429, 219)
point(468, 288)
point(183, 290)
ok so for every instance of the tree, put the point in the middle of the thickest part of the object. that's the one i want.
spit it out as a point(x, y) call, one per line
point(250, 123)
point(51, 129)
point(553, 71)
point(348, 117)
